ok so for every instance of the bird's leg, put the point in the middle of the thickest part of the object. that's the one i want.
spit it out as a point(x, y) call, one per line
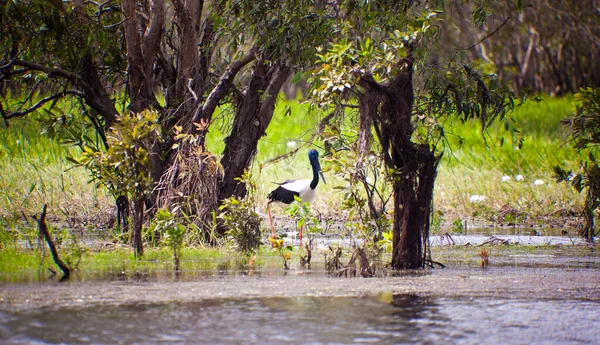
point(271, 221)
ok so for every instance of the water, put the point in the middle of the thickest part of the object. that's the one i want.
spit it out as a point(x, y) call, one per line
point(525, 297)
point(384, 319)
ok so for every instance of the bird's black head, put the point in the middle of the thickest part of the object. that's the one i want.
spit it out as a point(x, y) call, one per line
point(313, 156)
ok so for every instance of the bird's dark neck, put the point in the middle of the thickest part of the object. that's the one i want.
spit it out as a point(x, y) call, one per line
point(315, 180)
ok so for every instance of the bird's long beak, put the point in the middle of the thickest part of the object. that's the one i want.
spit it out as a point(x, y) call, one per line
point(320, 172)
point(322, 177)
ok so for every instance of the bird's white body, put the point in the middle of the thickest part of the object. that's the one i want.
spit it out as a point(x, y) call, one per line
point(302, 187)
point(305, 189)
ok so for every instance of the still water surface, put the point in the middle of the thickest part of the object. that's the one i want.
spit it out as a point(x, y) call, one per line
point(385, 319)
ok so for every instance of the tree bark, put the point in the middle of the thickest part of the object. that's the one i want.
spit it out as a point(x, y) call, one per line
point(414, 166)
point(250, 124)
point(143, 43)
point(138, 221)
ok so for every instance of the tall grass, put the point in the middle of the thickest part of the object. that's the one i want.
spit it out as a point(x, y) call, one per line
point(477, 167)
point(34, 171)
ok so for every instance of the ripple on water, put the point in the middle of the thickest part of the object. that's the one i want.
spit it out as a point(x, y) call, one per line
point(388, 319)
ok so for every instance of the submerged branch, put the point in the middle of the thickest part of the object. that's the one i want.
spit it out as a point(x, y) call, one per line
point(44, 231)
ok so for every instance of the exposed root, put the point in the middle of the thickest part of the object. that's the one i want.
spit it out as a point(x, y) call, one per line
point(431, 264)
point(365, 268)
point(446, 237)
point(333, 264)
point(305, 259)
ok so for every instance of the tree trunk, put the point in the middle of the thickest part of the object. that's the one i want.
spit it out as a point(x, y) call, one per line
point(414, 166)
point(142, 52)
point(591, 204)
point(138, 221)
point(250, 124)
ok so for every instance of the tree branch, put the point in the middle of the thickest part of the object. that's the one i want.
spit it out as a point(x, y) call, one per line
point(489, 35)
point(40, 104)
point(220, 90)
point(44, 231)
point(321, 128)
point(51, 72)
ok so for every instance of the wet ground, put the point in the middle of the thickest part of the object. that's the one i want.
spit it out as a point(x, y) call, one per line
point(549, 296)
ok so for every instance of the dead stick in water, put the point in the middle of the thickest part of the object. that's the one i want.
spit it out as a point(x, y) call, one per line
point(44, 230)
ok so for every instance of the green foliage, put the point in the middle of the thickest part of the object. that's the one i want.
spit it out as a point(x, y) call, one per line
point(62, 33)
point(585, 136)
point(365, 190)
point(170, 231)
point(240, 218)
point(285, 252)
point(287, 30)
point(302, 214)
point(125, 166)
point(386, 242)
point(375, 52)
point(457, 226)
point(585, 123)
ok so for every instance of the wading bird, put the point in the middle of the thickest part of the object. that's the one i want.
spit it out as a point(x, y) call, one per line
point(305, 189)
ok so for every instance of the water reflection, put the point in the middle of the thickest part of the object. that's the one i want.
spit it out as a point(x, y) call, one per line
point(386, 319)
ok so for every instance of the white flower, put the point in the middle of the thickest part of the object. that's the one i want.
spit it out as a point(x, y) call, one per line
point(477, 198)
point(291, 144)
point(519, 178)
point(538, 182)
point(505, 178)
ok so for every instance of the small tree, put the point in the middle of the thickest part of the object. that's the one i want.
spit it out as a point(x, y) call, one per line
point(584, 127)
point(125, 166)
point(379, 64)
point(172, 233)
point(240, 219)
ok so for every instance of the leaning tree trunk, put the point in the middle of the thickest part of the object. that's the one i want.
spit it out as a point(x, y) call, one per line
point(414, 166)
point(250, 123)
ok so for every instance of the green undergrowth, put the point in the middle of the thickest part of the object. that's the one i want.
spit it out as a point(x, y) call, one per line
point(34, 169)
point(119, 263)
point(17, 264)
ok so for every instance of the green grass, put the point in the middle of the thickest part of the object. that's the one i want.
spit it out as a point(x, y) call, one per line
point(34, 171)
point(477, 167)
point(19, 264)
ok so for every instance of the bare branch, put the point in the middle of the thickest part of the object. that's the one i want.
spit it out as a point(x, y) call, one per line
point(225, 82)
point(51, 72)
point(40, 104)
point(319, 130)
point(43, 227)
point(489, 35)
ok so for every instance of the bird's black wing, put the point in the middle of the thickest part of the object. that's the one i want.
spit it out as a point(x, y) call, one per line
point(283, 195)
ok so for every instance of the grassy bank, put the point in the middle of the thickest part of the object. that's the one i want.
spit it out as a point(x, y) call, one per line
point(118, 263)
point(34, 171)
